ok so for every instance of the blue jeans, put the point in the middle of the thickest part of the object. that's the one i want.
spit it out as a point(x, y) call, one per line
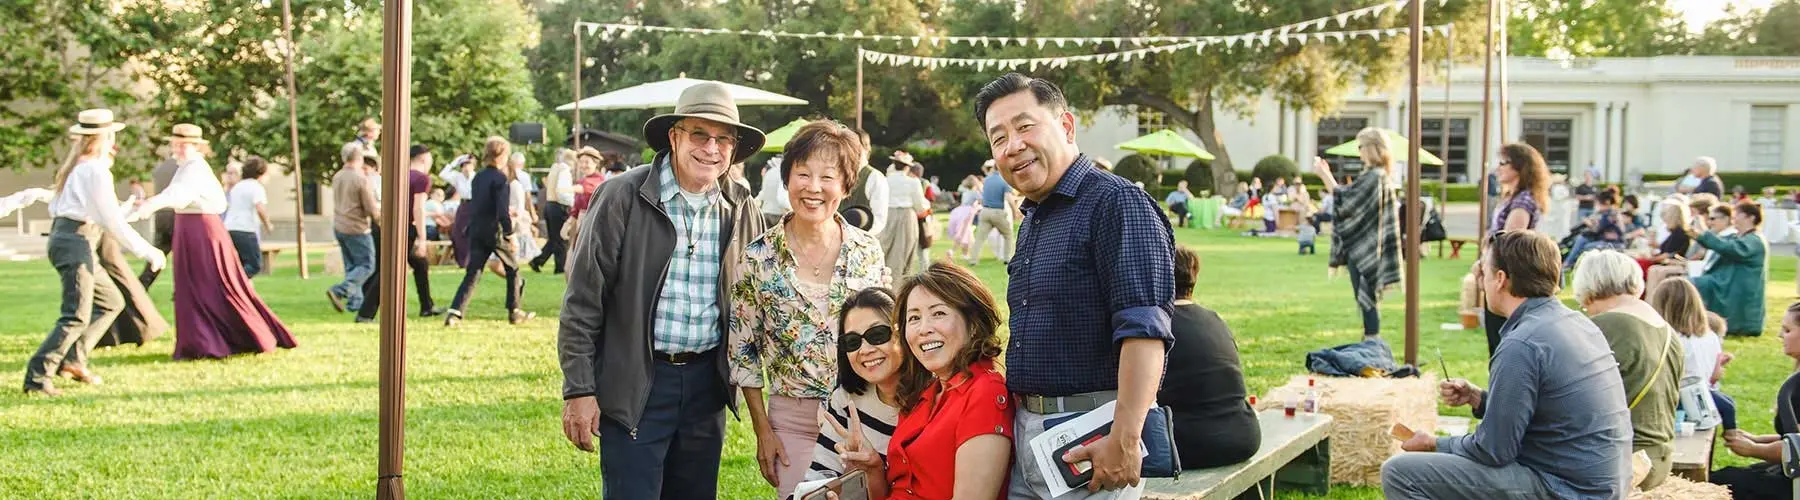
point(676, 449)
point(1371, 317)
point(1583, 244)
point(358, 251)
point(1727, 409)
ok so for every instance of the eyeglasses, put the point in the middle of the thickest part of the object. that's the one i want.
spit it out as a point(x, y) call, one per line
point(875, 335)
point(702, 139)
point(1505, 163)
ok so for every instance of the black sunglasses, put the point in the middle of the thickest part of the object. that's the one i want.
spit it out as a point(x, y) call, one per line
point(875, 335)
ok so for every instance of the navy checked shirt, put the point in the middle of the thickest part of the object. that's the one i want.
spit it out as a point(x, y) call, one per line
point(1095, 265)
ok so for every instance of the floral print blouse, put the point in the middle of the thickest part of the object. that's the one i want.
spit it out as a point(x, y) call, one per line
point(779, 338)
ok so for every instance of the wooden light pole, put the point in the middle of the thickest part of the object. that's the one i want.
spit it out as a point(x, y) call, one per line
point(859, 85)
point(287, 36)
point(396, 115)
point(1415, 148)
point(1487, 126)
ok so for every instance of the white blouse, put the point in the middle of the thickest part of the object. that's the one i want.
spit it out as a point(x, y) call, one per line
point(87, 196)
point(193, 190)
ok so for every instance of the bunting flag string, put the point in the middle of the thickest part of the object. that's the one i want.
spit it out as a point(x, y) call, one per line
point(1199, 46)
point(1342, 20)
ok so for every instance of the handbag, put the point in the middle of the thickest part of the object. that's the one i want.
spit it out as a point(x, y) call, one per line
point(1159, 441)
point(1434, 228)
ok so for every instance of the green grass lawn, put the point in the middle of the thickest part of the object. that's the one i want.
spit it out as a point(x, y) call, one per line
point(483, 400)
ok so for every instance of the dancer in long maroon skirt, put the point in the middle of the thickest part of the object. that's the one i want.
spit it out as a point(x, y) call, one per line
point(217, 313)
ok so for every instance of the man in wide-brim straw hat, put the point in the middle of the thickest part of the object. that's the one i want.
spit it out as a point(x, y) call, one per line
point(86, 210)
point(644, 319)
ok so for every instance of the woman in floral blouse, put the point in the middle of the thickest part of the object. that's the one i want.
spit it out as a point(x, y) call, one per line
point(795, 278)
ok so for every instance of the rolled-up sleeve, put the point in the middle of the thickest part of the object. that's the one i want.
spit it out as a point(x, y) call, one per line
point(1135, 252)
point(594, 261)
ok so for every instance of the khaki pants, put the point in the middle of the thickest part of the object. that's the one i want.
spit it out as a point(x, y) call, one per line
point(996, 219)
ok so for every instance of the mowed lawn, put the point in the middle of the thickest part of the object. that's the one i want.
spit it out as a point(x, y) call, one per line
point(484, 401)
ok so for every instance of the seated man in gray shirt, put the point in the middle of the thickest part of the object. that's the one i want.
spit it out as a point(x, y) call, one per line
point(1554, 422)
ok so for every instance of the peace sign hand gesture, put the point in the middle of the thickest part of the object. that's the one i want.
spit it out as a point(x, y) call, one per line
point(855, 453)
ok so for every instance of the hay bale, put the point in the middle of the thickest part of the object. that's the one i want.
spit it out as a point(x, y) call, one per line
point(1679, 488)
point(1363, 409)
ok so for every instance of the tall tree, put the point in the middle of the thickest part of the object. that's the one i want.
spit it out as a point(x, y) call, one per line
point(218, 63)
point(48, 73)
point(1192, 89)
point(819, 71)
point(1754, 32)
point(469, 81)
point(1596, 28)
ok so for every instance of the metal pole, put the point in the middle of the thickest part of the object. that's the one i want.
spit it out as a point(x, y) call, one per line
point(1506, 131)
point(1415, 149)
point(396, 111)
point(1444, 132)
point(859, 85)
point(1487, 126)
point(576, 130)
point(287, 36)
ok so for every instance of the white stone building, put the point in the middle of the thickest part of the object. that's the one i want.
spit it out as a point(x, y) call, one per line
point(1626, 116)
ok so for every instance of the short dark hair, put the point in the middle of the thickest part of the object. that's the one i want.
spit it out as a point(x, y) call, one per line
point(824, 140)
point(878, 299)
point(255, 167)
point(1751, 209)
point(1187, 271)
point(417, 149)
point(1722, 210)
point(1008, 84)
point(1608, 195)
point(1530, 260)
point(863, 136)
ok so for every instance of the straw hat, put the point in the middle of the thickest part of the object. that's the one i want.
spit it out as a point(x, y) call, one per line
point(706, 101)
point(95, 122)
point(186, 132)
point(590, 152)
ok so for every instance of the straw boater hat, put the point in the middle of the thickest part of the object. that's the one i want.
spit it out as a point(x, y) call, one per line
point(706, 101)
point(186, 132)
point(590, 152)
point(95, 122)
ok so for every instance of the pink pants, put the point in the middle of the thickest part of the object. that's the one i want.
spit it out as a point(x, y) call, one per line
point(796, 424)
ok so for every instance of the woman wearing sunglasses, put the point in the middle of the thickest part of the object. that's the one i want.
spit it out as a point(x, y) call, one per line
point(1524, 183)
point(868, 364)
point(795, 277)
point(954, 439)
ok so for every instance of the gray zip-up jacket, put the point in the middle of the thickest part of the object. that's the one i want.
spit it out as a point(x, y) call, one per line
point(618, 265)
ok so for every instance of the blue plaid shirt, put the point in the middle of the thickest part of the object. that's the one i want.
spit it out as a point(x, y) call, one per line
point(1095, 265)
point(687, 311)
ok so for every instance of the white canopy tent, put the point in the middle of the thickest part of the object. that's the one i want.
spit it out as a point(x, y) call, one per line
point(664, 93)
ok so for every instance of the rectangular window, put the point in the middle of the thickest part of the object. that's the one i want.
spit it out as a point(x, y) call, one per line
point(1335, 131)
point(1457, 157)
point(1768, 125)
point(309, 197)
point(1551, 137)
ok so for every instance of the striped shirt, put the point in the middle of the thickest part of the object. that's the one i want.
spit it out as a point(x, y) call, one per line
point(878, 420)
point(687, 311)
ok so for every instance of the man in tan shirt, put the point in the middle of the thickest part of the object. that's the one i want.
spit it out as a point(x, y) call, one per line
point(355, 207)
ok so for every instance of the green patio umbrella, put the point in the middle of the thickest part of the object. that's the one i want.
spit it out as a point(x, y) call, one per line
point(1167, 143)
point(1397, 146)
point(778, 139)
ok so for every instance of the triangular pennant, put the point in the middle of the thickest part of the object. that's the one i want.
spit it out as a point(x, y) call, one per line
point(1041, 43)
point(1339, 36)
point(1342, 20)
point(937, 41)
point(1263, 40)
point(591, 28)
point(915, 41)
point(1079, 41)
point(1137, 41)
point(1059, 42)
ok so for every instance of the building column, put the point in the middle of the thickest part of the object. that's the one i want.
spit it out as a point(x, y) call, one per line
point(1601, 125)
point(1515, 122)
point(1393, 115)
point(1790, 136)
point(1617, 125)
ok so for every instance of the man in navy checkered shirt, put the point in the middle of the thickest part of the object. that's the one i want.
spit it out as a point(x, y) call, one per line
point(1092, 283)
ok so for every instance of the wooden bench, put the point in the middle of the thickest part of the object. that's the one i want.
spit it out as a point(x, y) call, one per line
point(1456, 244)
point(1693, 455)
point(1296, 453)
point(439, 252)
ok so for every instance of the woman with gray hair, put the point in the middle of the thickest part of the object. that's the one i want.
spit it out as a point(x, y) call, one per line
point(1608, 284)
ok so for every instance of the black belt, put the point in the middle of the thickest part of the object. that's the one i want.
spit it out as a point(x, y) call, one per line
point(67, 225)
point(680, 358)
